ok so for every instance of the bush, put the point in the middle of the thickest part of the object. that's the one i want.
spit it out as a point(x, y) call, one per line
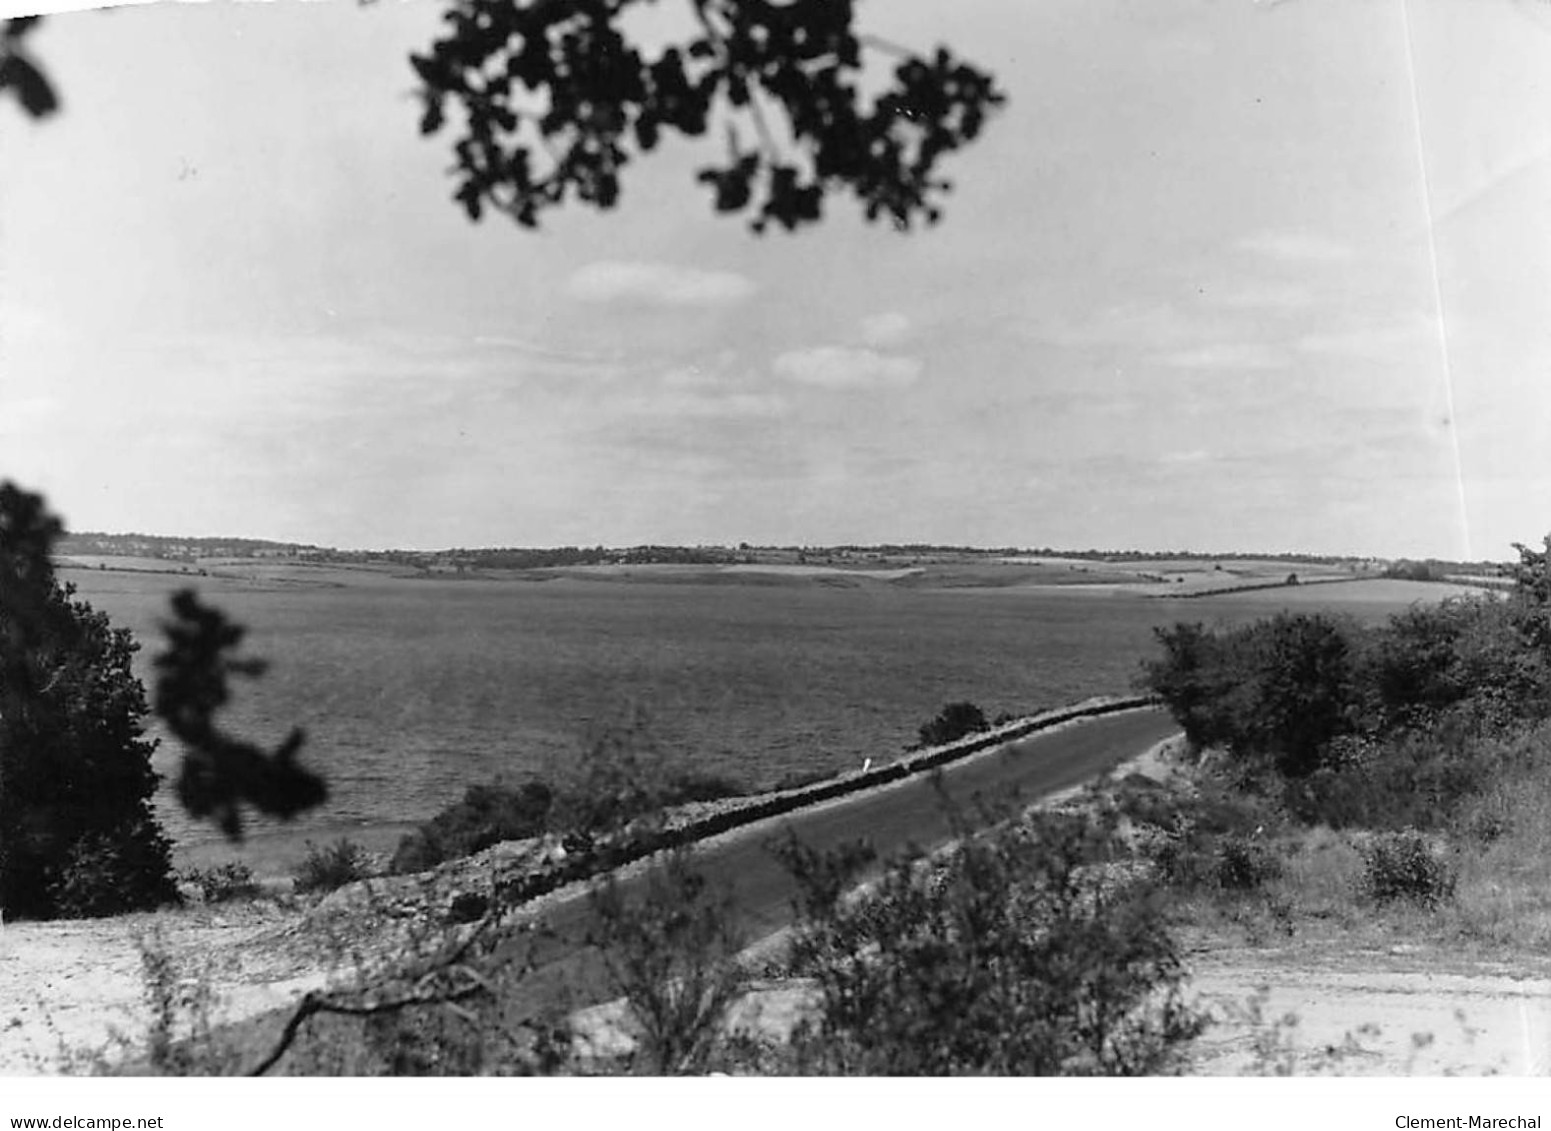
point(622, 776)
point(1277, 691)
point(333, 866)
point(1227, 863)
point(1431, 660)
point(77, 832)
point(953, 722)
point(671, 954)
point(1403, 866)
point(1243, 864)
point(223, 883)
point(1418, 778)
point(113, 873)
point(1347, 714)
point(1210, 838)
point(1017, 953)
point(487, 815)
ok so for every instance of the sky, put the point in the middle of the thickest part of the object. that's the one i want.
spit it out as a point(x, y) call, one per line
point(1223, 275)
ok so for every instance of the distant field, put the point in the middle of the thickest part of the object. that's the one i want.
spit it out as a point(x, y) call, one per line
point(410, 689)
point(1377, 592)
point(114, 562)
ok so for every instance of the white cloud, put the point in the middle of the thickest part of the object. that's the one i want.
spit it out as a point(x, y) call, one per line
point(660, 284)
point(28, 412)
point(1396, 341)
point(840, 367)
point(692, 377)
point(1226, 355)
point(536, 349)
point(728, 406)
point(20, 322)
point(886, 329)
point(1129, 324)
point(1258, 296)
point(1295, 247)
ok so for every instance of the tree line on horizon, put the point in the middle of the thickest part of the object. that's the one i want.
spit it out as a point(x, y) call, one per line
point(189, 549)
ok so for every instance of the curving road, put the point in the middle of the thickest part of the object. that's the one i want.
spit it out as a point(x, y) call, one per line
point(891, 818)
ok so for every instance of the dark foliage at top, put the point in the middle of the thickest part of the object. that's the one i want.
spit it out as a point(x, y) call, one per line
point(20, 74)
point(221, 772)
point(556, 100)
point(77, 835)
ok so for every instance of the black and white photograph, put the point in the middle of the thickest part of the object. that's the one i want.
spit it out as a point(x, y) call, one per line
point(776, 538)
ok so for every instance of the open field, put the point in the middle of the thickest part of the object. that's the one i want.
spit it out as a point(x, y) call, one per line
point(412, 688)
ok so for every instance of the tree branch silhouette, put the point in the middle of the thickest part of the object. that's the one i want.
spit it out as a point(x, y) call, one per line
point(560, 78)
point(220, 772)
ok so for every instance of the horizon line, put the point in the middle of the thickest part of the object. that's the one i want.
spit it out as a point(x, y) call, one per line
point(735, 547)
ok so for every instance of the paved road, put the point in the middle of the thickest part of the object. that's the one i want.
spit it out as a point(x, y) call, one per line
point(890, 818)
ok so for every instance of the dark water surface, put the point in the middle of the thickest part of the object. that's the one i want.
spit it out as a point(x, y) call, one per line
point(410, 690)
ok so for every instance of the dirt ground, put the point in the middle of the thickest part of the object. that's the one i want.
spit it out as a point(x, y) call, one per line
point(72, 993)
point(1415, 1013)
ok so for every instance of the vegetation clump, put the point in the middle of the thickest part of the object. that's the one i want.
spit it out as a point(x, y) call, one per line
point(1397, 763)
point(672, 954)
point(222, 883)
point(1402, 865)
point(77, 833)
point(1353, 726)
point(1022, 951)
point(622, 783)
point(953, 722)
point(487, 815)
point(331, 867)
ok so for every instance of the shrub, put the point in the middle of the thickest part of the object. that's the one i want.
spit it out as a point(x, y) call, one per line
point(111, 873)
point(1209, 838)
point(333, 866)
point(223, 883)
point(1419, 777)
point(1402, 865)
point(1277, 691)
point(1227, 863)
point(179, 1035)
point(953, 722)
point(1243, 864)
point(1016, 953)
point(77, 833)
point(1432, 659)
point(671, 953)
point(487, 815)
point(622, 776)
